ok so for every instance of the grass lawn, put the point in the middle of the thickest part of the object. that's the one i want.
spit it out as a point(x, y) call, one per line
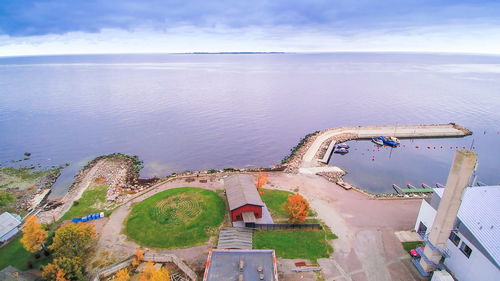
point(176, 218)
point(292, 244)
point(15, 255)
point(274, 200)
point(93, 200)
point(411, 245)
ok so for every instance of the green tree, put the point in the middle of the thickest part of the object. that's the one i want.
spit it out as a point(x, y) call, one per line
point(5, 199)
point(63, 268)
point(73, 240)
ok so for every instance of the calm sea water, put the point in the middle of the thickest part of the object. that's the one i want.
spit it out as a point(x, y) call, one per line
point(190, 112)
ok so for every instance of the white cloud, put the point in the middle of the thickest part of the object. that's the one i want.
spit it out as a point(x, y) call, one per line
point(453, 39)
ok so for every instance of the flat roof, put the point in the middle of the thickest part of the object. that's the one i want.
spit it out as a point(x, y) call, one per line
point(480, 213)
point(223, 265)
point(241, 191)
point(7, 223)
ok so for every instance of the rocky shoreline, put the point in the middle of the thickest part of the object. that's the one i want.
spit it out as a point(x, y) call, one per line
point(130, 183)
point(27, 187)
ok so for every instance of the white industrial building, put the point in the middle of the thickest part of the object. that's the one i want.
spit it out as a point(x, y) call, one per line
point(473, 249)
point(9, 225)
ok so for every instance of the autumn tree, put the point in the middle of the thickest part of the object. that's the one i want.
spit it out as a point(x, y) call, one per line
point(297, 208)
point(73, 240)
point(33, 234)
point(64, 269)
point(122, 275)
point(261, 180)
point(150, 273)
point(139, 255)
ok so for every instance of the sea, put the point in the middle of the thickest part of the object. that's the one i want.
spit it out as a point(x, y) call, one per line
point(181, 112)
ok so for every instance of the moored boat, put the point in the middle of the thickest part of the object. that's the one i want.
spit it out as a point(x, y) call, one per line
point(340, 150)
point(390, 141)
point(378, 140)
point(343, 145)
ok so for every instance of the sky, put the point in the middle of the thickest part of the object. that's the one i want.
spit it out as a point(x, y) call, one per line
point(49, 27)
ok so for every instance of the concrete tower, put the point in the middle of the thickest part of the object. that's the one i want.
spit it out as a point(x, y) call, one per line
point(458, 178)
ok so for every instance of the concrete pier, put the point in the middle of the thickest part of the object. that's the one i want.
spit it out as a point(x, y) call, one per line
point(328, 153)
point(367, 132)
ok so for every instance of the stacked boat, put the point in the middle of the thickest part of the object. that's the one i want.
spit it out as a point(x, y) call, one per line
point(389, 141)
point(341, 148)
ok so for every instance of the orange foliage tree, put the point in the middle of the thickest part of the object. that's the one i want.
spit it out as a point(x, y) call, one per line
point(261, 180)
point(297, 208)
point(150, 273)
point(33, 234)
point(122, 275)
point(139, 255)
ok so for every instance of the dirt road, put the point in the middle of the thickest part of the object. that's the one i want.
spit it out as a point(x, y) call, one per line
point(367, 248)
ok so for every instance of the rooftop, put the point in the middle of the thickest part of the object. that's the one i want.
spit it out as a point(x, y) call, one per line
point(241, 191)
point(13, 274)
point(8, 222)
point(224, 265)
point(480, 213)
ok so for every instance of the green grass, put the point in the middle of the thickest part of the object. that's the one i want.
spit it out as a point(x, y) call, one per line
point(176, 218)
point(93, 200)
point(15, 255)
point(275, 199)
point(411, 245)
point(294, 244)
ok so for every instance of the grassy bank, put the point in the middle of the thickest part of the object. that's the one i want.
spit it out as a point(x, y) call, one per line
point(93, 200)
point(411, 245)
point(23, 183)
point(176, 218)
point(275, 200)
point(15, 255)
point(293, 244)
point(23, 178)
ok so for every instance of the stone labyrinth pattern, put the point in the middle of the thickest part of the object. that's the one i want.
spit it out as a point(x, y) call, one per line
point(176, 209)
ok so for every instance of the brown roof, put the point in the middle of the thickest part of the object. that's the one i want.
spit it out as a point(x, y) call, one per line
point(241, 191)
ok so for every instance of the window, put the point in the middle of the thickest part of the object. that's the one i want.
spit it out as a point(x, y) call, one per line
point(422, 228)
point(454, 238)
point(465, 249)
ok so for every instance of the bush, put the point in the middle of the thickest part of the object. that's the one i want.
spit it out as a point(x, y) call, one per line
point(29, 264)
point(76, 202)
point(37, 255)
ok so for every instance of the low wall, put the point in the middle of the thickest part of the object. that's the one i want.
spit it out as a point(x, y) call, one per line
point(287, 226)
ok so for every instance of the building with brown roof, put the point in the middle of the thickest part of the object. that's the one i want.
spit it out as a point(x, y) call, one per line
point(243, 198)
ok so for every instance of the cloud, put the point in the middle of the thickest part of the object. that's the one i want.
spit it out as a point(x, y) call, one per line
point(42, 17)
point(448, 39)
point(131, 26)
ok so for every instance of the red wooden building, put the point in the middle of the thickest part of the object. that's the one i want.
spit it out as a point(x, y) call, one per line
point(243, 198)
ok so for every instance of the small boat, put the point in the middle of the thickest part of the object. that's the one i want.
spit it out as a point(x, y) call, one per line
point(390, 141)
point(343, 145)
point(340, 150)
point(378, 140)
point(394, 139)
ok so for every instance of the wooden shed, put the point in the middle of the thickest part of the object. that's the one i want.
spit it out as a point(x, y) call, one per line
point(243, 198)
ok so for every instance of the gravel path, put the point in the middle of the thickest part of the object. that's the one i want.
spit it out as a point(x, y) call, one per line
point(112, 239)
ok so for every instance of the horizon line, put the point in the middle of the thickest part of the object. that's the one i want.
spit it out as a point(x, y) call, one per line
point(255, 53)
